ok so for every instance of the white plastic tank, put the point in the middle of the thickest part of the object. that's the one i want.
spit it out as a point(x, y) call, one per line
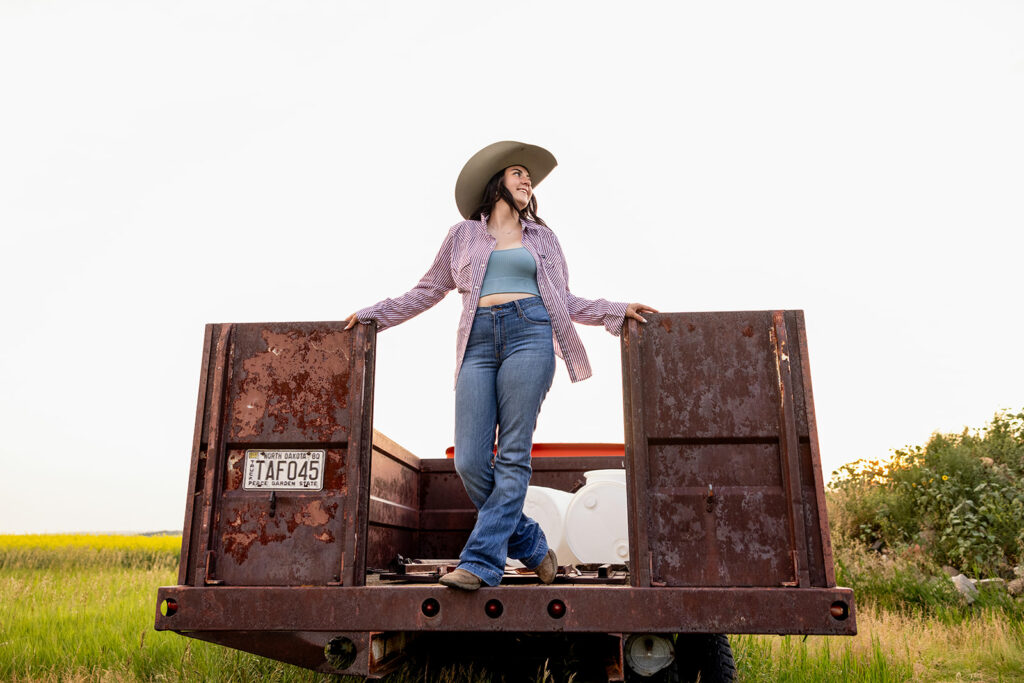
point(547, 507)
point(596, 527)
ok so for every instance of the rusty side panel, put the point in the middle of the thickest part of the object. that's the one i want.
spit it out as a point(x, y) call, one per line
point(195, 477)
point(789, 450)
point(720, 460)
point(361, 441)
point(447, 515)
point(280, 386)
point(211, 459)
point(815, 525)
point(818, 529)
point(394, 518)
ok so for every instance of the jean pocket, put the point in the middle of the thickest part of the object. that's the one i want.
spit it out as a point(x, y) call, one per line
point(537, 315)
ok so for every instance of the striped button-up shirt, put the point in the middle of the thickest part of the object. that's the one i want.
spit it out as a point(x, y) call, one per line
point(461, 263)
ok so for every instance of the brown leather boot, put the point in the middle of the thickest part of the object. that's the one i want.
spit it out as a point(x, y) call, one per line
point(461, 579)
point(548, 567)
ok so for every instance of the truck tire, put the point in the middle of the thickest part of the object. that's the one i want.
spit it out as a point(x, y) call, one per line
point(706, 654)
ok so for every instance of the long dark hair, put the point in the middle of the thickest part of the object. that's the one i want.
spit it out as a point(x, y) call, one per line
point(496, 191)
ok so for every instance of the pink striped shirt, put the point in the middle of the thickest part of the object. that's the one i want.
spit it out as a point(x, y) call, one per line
point(461, 263)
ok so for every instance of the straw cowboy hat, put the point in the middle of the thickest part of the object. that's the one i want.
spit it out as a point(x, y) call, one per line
point(469, 188)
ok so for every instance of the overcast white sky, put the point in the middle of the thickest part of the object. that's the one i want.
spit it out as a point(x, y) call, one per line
point(168, 164)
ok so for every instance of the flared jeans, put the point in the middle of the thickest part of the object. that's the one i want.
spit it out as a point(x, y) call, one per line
point(505, 375)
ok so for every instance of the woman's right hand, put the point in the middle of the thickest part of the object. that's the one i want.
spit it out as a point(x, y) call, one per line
point(352, 320)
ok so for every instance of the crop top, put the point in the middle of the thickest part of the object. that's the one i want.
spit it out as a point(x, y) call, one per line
point(510, 270)
point(461, 263)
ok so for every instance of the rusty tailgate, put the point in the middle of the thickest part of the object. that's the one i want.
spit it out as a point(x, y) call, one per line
point(722, 453)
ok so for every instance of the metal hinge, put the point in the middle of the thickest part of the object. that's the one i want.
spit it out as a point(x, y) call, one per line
point(209, 579)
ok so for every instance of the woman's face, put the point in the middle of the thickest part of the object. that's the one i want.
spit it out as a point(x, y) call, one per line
point(517, 181)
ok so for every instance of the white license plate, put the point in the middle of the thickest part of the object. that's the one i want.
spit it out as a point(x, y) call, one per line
point(284, 470)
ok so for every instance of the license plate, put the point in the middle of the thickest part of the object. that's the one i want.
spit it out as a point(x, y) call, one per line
point(284, 470)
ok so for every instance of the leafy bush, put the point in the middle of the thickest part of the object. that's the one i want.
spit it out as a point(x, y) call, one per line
point(960, 498)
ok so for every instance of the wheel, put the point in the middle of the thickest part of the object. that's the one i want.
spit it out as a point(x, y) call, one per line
point(706, 654)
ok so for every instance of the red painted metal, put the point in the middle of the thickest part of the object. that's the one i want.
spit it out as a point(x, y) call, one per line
point(728, 531)
point(567, 450)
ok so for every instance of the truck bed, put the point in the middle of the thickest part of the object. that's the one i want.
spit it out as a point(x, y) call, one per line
point(728, 531)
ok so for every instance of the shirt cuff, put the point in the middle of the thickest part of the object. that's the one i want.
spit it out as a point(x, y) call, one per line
point(369, 314)
point(615, 317)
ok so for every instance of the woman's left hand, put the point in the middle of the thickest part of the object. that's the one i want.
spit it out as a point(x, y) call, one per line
point(634, 311)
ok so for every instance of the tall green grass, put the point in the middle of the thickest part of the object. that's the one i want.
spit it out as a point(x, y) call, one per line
point(790, 659)
point(66, 616)
point(96, 624)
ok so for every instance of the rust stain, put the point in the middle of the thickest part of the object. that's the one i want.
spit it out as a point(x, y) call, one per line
point(690, 327)
point(667, 324)
point(299, 381)
point(236, 460)
point(237, 521)
point(251, 524)
point(250, 407)
point(748, 331)
point(335, 477)
point(238, 542)
point(312, 514)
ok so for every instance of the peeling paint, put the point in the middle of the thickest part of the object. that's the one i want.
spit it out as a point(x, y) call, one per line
point(300, 381)
point(236, 463)
point(313, 513)
point(238, 542)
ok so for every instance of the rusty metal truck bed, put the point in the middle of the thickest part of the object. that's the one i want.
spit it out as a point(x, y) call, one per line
point(728, 531)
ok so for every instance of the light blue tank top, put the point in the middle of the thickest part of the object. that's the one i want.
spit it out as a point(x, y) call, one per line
point(510, 270)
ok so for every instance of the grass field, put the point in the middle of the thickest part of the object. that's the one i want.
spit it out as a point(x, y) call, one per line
point(81, 608)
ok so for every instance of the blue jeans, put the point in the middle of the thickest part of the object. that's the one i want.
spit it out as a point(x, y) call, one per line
point(505, 375)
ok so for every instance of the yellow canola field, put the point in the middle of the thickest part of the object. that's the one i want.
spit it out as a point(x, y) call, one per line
point(167, 543)
point(50, 551)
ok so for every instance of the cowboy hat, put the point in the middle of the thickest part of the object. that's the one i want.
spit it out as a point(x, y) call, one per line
point(481, 167)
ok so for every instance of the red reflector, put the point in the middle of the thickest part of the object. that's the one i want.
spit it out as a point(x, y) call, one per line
point(431, 607)
point(493, 609)
point(556, 609)
point(839, 610)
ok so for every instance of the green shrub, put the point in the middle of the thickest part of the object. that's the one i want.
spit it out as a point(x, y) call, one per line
point(960, 497)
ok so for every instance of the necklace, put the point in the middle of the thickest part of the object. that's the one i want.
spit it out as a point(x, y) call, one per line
point(505, 232)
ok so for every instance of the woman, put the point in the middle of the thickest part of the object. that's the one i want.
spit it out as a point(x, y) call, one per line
point(517, 314)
